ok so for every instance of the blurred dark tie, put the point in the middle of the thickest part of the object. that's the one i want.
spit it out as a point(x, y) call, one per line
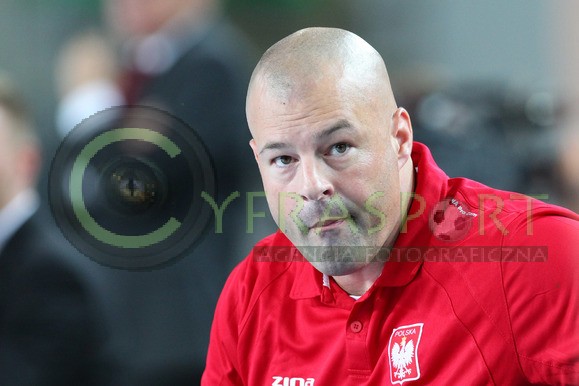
point(132, 82)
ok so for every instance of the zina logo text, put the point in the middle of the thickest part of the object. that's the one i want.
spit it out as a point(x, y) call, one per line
point(287, 381)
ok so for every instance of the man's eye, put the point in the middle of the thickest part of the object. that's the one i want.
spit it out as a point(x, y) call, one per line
point(339, 148)
point(283, 160)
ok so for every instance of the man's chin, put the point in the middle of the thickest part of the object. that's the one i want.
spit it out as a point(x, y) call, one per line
point(337, 268)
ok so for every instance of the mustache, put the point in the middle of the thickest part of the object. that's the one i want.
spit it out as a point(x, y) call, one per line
point(314, 213)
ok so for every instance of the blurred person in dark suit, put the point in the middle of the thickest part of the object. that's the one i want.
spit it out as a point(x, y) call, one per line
point(50, 326)
point(186, 58)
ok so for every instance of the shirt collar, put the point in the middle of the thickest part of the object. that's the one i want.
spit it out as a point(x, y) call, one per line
point(308, 281)
point(430, 187)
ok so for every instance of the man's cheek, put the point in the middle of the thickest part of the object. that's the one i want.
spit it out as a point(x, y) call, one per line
point(289, 207)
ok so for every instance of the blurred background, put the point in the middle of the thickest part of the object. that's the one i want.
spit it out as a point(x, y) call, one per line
point(489, 84)
point(492, 87)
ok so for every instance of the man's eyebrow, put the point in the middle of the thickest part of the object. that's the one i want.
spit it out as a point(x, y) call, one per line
point(340, 125)
point(274, 146)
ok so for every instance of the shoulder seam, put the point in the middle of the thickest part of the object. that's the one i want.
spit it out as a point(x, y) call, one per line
point(250, 308)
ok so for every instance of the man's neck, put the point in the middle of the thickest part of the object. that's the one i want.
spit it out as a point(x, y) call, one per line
point(357, 283)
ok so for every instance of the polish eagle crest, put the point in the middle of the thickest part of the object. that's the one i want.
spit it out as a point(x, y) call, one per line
point(402, 356)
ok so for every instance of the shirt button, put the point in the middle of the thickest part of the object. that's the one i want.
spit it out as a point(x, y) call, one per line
point(356, 326)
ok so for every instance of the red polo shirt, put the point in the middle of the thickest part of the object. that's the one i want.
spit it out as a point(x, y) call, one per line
point(480, 289)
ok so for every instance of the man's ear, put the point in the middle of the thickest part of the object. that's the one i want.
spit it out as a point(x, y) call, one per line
point(402, 135)
point(253, 146)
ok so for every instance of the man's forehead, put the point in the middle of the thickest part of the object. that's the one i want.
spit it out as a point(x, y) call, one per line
point(305, 106)
point(309, 111)
point(290, 137)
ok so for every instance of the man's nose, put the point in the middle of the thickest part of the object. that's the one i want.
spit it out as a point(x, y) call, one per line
point(314, 184)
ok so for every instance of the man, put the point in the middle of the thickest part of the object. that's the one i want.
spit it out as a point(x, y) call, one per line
point(384, 270)
point(51, 330)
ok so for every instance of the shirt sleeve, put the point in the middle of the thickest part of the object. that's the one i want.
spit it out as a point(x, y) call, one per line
point(541, 290)
point(222, 362)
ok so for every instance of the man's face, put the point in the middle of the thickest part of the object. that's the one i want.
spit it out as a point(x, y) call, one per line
point(330, 169)
point(138, 18)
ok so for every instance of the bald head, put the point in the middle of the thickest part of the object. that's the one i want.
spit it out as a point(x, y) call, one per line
point(311, 56)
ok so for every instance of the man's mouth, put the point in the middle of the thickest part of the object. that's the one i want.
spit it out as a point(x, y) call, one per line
point(328, 223)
